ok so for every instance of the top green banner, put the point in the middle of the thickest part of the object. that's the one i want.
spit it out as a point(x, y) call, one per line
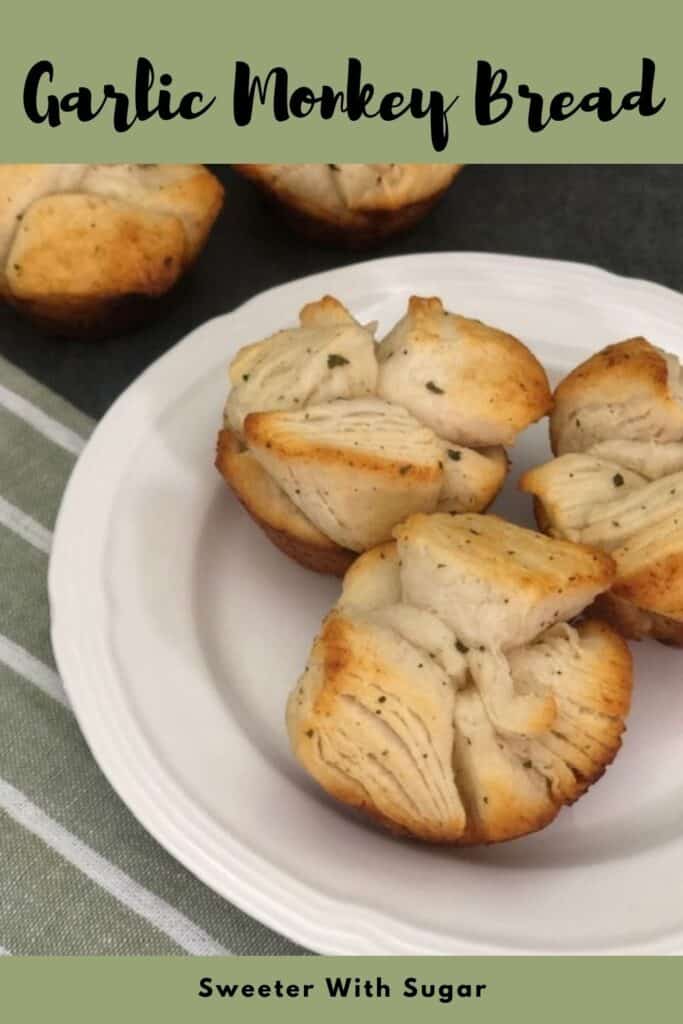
point(217, 81)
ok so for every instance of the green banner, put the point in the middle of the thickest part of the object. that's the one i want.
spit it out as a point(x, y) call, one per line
point(218, 81)
point(336, 988)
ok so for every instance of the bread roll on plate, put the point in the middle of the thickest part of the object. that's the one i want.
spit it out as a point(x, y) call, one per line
point(330, 439)
point(89, 249)
point(448, 697)
point(617, 482)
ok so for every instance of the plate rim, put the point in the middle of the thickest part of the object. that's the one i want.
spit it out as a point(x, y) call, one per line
point(378, 932)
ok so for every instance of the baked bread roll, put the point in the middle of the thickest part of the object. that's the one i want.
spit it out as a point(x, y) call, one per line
point(357, 466)
point(329, 441)
point(617, 428)
point(447, 696)
point(88, 249)
point(352, 204)
point(469, 382)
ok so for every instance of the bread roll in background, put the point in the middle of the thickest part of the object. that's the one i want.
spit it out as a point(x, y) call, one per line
point(353, 205)
point(88, 250)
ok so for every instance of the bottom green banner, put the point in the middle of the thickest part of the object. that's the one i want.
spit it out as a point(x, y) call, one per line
point(369, 988)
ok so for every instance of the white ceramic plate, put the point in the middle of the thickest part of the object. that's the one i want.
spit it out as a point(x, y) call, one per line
point(179, 630)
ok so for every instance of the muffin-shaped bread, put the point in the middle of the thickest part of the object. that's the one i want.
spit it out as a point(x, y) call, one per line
point(352, 204)
point(88, 249)
point(330, 439)
point(447, 695)
point(617, 483)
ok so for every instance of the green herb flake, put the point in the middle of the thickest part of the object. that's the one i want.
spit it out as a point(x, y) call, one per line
point(336, 360)
point(452, 454)
point(618, 480)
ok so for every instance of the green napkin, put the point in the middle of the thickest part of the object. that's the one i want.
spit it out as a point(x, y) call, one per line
point(78, 874)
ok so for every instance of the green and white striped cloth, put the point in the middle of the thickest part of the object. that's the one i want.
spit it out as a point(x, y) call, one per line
point(78, 874)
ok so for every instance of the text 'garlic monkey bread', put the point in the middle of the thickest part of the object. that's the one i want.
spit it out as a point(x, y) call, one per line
point(617, 483)
point(330, 439)
point(447, 695)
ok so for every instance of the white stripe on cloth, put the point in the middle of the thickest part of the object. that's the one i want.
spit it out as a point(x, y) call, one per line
point(40, 421)
point(24, 526)
point(141, 901)
point(32, 670)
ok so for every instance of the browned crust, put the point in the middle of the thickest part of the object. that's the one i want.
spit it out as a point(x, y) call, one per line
point(615, 652)
point(335, 654)
point(92, 319)
point(588, 565)
point(614, 606)
point(541, 516)
point(496, 388)
point(614, 664)
point(258, 429)
point(632, 360)
point(203, 195)
point(320, 554)
point(368, 230)
point(333, 657)
point(637, 623)
point(357, 229)
point(612, 372)
point(94, 314)
point(333, 562)
point(657, 586)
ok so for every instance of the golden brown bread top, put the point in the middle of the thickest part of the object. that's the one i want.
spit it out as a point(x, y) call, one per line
point(639, 521)
point(499, 584)
point(78, 244)
point(188, 192)
point(375, 436)
point(328, 356)
point(629, 391)
point(354, 466)
point(101, 230)
point(618, 484)
point(400, 715)
point(471, 383)
point(356, 457)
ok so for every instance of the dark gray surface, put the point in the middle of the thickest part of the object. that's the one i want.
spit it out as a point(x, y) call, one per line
point(624, 218)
